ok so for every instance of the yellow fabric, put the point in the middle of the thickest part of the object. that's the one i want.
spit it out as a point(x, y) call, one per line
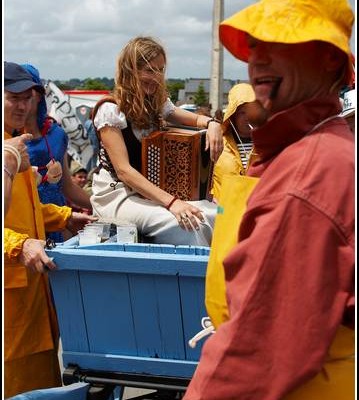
point(292, 21)
point(337, 378)
point(47, 374)
point(29, 318)
point(55, 217)
point(233, 198)
point(238, 95)
point(229, 163)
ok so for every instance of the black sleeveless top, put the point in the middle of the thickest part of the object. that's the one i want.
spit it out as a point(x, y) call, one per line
point(133, 145)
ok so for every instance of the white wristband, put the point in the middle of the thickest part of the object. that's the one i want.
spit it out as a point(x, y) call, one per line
point(15, 152)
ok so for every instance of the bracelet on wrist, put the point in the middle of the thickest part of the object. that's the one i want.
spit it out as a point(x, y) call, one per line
point(15, 152)
point(213, 120)
point(171, 202)
point(11, 176)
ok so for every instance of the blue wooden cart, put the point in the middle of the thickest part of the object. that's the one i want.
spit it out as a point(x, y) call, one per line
point(127, 312)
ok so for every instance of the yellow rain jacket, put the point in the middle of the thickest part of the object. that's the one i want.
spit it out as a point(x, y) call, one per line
point(30, 327)
point(229, 162)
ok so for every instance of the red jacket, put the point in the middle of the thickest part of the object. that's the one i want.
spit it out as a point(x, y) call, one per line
point(290, 279)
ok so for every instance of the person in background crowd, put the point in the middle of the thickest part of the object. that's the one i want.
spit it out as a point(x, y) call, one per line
point(30, 326)
point(79, 175)
point(290, 278)
point(92, 135)
point(48, 150)
point(139, 106)
point(237, 152)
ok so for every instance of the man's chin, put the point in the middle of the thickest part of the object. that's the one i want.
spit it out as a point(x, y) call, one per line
point(18, 123)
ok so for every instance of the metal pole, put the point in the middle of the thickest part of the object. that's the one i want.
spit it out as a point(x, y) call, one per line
point(216, 84)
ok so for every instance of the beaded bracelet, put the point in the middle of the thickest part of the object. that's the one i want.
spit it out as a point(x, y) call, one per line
point(171, 202)
point(15, 152)
point(6, 169)
point(212, 120)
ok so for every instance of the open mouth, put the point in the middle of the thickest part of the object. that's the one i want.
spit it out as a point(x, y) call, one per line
point(272, 81)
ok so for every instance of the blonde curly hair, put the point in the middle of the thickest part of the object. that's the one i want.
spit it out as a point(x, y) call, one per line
point(141, 110)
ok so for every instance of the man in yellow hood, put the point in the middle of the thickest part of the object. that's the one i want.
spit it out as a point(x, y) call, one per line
point(30, 326)
point(237, 142)
point(289, 278)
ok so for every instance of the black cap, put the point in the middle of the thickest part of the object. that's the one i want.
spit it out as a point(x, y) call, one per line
point(18, 80)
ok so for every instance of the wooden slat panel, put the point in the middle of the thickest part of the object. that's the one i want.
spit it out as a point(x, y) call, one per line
point(108, 313)
point(157, 316)
point(70, 313)
point(135, 365)
point(193, 310)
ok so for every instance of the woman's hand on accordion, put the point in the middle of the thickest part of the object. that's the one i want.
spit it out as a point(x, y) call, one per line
point(214, 140)
point(188, 216)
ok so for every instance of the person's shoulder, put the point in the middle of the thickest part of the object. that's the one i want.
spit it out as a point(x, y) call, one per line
point(336, 141)
point(57, 130)
point(107, 107)
point(104, 100)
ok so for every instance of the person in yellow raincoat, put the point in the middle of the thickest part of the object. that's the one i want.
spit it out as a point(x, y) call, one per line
point(290, 275)
point(237, 142)
point(30, 326)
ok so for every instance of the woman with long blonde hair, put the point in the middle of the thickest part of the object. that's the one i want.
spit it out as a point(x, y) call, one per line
point(138, 107)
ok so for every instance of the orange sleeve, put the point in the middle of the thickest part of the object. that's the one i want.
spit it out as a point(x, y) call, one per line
point(55, 217)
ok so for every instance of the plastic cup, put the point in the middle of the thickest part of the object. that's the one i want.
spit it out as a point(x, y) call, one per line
point(102, 228)
point(88, 236)
point(126, 233)
point(106, 231)
point(97, 227)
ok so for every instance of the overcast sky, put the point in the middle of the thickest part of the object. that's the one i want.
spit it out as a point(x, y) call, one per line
point(68, 39)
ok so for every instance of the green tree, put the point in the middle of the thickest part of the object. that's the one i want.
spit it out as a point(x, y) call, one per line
point(94, 84)
point(200, 97)
point(173, 87)
point(63, 85)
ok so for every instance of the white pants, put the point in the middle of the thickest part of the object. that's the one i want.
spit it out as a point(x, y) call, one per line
point(118, 203)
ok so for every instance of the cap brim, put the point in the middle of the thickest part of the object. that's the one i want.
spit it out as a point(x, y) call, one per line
point(22, 86)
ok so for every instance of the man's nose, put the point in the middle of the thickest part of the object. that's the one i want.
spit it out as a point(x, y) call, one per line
point(23, 104)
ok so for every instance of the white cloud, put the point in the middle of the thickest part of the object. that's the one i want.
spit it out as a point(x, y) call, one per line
point(82, 38)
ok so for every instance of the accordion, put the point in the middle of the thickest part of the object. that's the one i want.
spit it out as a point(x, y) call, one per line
point(175, 160)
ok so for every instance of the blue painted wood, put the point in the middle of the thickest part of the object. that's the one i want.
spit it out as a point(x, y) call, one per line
point(202, 250)
point(193, 310)
point(107, 309)
point(66, 290)
point(131, 365)
point(185, 250)
point(129, 262)
point(157, 316)
point(131, 308)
